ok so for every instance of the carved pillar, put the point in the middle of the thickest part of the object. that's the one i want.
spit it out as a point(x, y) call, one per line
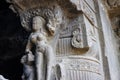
point(81, 68)
point(109, 12)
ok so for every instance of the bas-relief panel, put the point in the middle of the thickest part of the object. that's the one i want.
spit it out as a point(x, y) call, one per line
point(81, 68)
point(78, 39)
point(74, 36)
point(82, 31)
point(52, 14)
point(116, 25)
point(89, 10)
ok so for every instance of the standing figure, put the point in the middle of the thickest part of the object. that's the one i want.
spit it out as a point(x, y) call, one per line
point(44, 56)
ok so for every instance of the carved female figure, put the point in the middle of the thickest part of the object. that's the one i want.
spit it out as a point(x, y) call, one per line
point(44, 56)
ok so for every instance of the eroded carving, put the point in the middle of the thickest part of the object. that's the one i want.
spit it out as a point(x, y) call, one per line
point(84, 64)
point(90, 13)
point(26, 17)
point(116, 25)
point(76, 40)
point(72, 30)
point(78, 66)
point(44, 55)
point(28, 67)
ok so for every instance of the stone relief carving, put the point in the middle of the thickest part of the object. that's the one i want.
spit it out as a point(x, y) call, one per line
point(79, 32)
point(60, 72)
point(26, 17)
point(71, 37)
point(113, 3)
point(28, 67)
point(90, 13)
point(44, 55)
point(51, 15)
point(86, 66)
point(51, 26)
point(76, 40)
point(77, 66)
point(91, 4)
point(116, 25)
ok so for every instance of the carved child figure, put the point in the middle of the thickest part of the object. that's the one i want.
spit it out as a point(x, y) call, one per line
point(44, 56)
point(28, 67)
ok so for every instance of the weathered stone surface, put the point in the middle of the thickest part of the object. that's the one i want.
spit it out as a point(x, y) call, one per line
point(110, 19)
point(83, 35)
point(74, 31)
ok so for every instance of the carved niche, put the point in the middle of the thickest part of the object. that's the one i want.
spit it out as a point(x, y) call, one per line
point(72, 37)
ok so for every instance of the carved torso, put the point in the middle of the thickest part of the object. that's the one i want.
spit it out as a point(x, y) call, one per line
point(35, 38)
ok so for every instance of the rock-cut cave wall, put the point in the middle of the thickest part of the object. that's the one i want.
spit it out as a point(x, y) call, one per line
point(13, 37)
point(12, 43)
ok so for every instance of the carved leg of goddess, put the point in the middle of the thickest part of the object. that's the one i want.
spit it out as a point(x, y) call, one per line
point(50, 69)
point(40, 66)
point(49, 72)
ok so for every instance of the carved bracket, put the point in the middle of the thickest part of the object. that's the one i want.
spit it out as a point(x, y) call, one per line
point(77, 40)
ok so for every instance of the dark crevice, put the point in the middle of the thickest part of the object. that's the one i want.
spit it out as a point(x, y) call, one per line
point(13, 39)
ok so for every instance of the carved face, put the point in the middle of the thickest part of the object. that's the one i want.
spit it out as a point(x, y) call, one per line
point(38, 23)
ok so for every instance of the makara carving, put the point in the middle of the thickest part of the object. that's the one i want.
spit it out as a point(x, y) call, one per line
point(76, 40)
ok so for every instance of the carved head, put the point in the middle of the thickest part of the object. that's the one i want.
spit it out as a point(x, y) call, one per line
point(38, 23)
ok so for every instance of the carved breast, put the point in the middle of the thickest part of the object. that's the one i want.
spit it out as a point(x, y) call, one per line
point(37, 39)
point(33, 39)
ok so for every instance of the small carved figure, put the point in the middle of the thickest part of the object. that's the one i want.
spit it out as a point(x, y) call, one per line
point(28, 67)
point(44, 56)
